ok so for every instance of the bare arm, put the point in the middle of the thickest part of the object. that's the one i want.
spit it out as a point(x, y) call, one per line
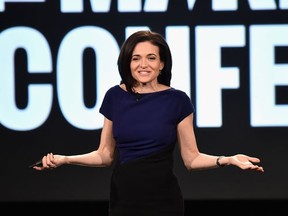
point(195, 160)
point(103, 156)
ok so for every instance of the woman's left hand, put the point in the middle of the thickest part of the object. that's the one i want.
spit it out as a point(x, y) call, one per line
point(245, 162)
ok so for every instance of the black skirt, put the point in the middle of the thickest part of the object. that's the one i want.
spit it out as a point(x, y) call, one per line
point(146, 187)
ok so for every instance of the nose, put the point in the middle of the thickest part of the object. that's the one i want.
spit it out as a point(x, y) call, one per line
point(143, 63)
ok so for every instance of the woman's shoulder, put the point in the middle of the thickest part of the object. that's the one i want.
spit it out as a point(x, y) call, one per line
point(178, 92)
point(113, 91)
point(115, 88)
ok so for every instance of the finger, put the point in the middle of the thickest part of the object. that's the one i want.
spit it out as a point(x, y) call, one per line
point(258, 168)
point(44, 161)
point(254, 159)
point(38, 168)
point(51, 156)
point(52, 164)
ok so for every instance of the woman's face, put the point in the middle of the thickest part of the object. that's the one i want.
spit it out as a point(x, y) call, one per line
point(145, 63)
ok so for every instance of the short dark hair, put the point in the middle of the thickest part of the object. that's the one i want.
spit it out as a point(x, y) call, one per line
point(126, 51)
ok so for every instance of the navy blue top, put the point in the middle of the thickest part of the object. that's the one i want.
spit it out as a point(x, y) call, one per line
point(146, 123)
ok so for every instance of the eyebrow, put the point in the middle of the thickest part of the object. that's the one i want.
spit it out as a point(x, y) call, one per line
point(146, 55)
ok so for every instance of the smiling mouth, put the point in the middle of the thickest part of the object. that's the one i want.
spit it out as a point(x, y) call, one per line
point(144, 72)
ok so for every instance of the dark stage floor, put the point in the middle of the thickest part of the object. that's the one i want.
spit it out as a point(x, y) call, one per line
point(204, 207)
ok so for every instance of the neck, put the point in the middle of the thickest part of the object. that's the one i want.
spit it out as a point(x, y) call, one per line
point(146, 87)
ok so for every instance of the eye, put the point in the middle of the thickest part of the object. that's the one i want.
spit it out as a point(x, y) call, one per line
point(135, 58)
point(152, 57)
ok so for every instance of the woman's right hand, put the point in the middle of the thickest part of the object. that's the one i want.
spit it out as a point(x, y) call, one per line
point(51, 161)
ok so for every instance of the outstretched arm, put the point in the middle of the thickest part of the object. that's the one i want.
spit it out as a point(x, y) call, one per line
point(103, 156)
point(195, 160)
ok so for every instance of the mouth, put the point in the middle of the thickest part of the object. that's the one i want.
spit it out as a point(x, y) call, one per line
point(144, 72)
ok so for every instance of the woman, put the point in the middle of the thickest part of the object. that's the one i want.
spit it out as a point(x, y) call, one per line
point(144, 118)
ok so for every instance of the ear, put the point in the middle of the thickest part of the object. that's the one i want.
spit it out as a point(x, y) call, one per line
point(161, 65)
